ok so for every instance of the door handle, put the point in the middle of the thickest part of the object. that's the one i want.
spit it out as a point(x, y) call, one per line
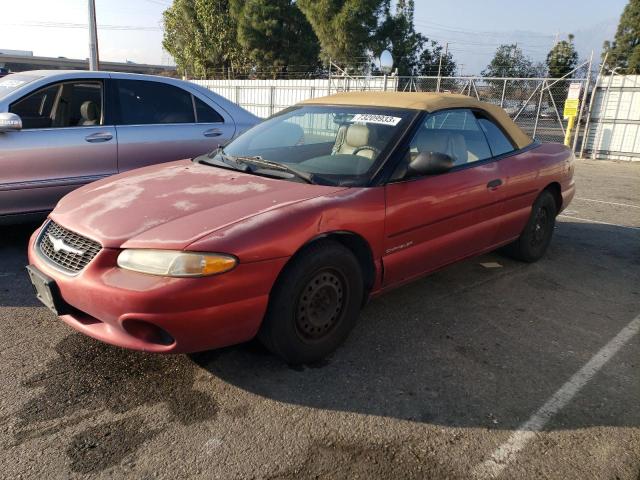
point(493, 184)
point(214, 132)
point(98, 137)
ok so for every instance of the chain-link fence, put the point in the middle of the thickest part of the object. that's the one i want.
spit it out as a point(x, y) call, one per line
point(535, 104)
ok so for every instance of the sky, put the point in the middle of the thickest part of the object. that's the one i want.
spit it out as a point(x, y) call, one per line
point(475, 28)
point(132, 29)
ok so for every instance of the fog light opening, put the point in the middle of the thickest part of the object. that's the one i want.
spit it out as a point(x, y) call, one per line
point(147, 332)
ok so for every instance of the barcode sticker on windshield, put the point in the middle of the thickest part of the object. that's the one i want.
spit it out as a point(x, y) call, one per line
point(373, 118)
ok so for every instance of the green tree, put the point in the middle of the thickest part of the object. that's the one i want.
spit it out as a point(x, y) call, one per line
point(413, 53)
point(429, 61)
point(624, 51)
point(346, 29)
point(562, 58)
point(509, 61)
point(199, 36)
point(275, 35)
point(397, 34)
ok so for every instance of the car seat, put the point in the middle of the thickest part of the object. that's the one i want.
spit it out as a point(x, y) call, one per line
point(354, 137)
point(89, 114)
point(435, 140)
point(443, 141)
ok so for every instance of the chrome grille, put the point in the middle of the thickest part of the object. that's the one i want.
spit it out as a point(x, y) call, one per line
point(71, 257)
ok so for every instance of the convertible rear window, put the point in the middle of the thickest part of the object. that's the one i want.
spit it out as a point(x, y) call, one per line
point(13, 82)
point(343, 145)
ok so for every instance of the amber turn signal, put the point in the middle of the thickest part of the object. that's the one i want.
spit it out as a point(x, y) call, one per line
point(171, 263)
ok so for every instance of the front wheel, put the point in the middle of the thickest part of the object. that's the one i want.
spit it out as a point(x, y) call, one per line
point(315, 303)
point(536, 236)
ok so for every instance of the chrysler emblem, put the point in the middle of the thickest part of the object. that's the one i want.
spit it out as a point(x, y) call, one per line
point(60, 245)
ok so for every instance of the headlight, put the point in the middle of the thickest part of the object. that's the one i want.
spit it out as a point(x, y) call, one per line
point(172, 263)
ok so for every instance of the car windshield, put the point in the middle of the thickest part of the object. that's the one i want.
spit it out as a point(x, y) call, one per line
point(322, 144)
point(12, 82)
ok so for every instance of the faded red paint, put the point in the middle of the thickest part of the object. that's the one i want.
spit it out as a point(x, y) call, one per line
point(412, 228)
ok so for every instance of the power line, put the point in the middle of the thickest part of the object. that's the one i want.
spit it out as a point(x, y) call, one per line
point(463, 31)
point(66, 25)
point(160, 2)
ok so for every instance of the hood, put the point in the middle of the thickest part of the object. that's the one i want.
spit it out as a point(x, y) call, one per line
point(173, 204)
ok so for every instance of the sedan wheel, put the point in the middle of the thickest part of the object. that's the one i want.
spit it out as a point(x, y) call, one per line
point(540, 228)
point(536, 236)
point(314, 304)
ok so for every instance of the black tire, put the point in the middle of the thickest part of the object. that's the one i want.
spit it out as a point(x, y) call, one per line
point(314, 304)
point(536, 236)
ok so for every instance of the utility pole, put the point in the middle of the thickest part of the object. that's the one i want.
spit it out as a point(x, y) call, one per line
point(446, 48)
point(94, 60)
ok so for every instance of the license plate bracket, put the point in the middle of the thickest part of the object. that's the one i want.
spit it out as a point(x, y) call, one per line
point(47, 291)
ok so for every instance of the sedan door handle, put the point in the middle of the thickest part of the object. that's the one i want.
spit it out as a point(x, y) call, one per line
point(214, 132)
point(493, 184)
point(98, 137)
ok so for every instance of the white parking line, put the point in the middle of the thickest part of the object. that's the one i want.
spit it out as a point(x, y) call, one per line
point(597, 221)
point(506, 453)
point(608, 203)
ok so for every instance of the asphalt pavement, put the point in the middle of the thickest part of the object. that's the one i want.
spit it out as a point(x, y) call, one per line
point(521, 368)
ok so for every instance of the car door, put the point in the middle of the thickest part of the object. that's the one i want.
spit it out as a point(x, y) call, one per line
point(519, 190)
point(159, 122)
point(434, 220)
point(66, 141)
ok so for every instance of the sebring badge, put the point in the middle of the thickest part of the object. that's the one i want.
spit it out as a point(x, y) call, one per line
point(59, 244)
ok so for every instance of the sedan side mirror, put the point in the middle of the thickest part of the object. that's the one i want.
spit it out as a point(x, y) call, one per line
point(430, 163)
point(10, 122)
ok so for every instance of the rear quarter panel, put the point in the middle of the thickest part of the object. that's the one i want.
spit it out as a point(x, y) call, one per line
point(527, 174)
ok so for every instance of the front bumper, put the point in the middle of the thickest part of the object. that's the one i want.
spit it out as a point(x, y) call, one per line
point(125, 308)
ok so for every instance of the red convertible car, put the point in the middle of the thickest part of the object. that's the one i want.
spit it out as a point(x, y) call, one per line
point(290, 228)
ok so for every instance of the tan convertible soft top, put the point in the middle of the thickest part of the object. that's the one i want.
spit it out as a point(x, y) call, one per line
point(429, 102)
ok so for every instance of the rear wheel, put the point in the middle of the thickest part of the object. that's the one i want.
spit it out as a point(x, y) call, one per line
point(536, 236)
point(315, 303)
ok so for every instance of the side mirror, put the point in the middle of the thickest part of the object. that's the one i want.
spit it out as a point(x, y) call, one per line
point(430, 163)
point(10, 122)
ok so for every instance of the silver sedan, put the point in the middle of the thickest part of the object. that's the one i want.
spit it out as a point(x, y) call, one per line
point(62, 129)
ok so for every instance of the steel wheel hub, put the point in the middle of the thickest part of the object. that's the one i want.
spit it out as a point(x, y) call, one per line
point(320, 305)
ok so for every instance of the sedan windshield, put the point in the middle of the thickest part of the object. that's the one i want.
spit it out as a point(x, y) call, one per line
point(12, 82)
point(326, 144)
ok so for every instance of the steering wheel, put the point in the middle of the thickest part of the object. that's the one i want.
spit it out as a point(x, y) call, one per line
point(366, 147)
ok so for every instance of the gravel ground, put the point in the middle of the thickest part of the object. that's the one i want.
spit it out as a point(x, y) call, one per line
point(434, 378)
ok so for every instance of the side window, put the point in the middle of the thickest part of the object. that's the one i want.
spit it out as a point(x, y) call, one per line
point(454, 132)
point(498, 141)
point(68, 104)
point(206, 114)
point(85, 103)
point(36, 109)
point(144, 103)
point(460, 119)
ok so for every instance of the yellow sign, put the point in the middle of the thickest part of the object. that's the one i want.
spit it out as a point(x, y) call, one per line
point(571, 107)
point(573, 100)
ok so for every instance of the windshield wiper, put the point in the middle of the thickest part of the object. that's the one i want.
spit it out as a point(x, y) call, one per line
point(218, 157)
point(257, 160)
